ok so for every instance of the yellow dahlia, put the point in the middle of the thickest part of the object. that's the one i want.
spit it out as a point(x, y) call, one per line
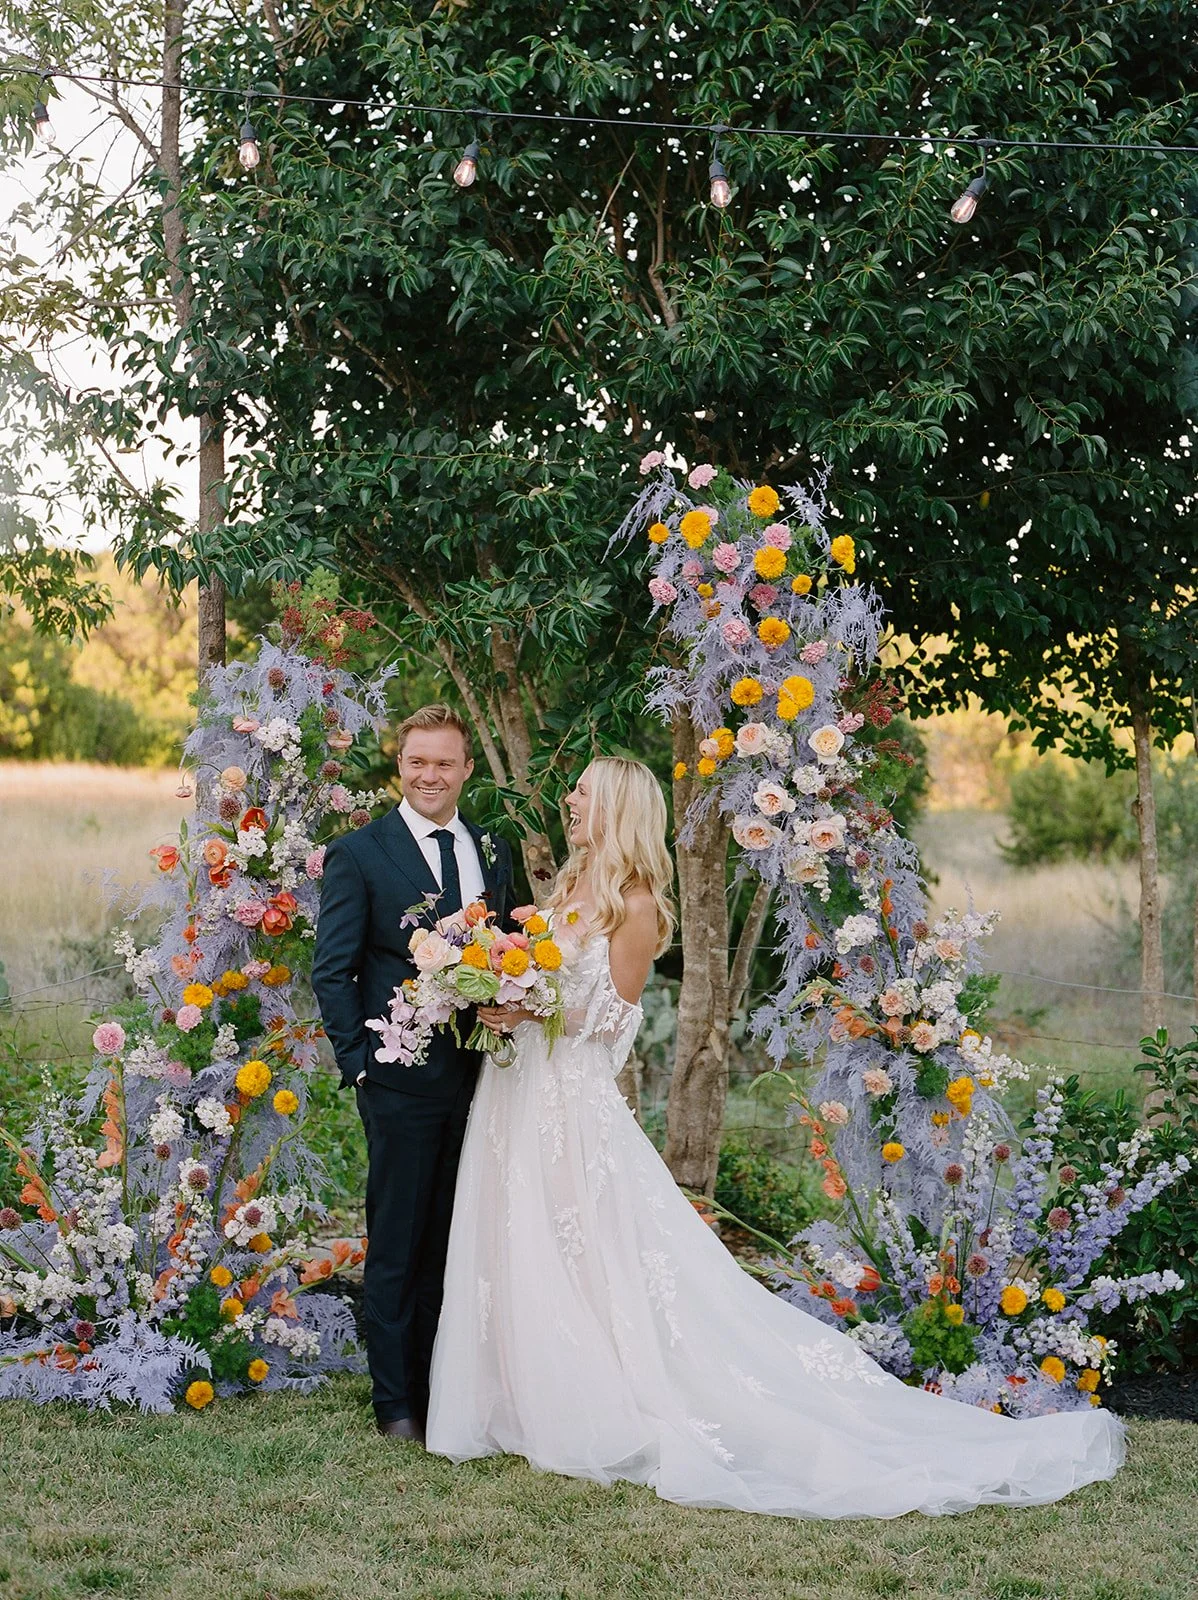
point(1013, 1300)
point(726, 740)
point(769, 562)
point(547, 955)
point(1053, 1367)
point(221, 1277)
point(706, 767)
point(1053, 1299)
point(801, 584)
point(800, 689)
point(197, 994)
point(763, 501)
point(746, 692)
point(535, 925)
point(257, 1370)
point(253, 1079)
point(658, 533)
point(892, 1151)
point(1087, 1380)
point(772, 632)
point(844, 552)
point(231, 1308)
point(515, 962)
point(286, 1102)
point(199, 1394)
point(680, 771)
point(954, 1314)
point(695, 528)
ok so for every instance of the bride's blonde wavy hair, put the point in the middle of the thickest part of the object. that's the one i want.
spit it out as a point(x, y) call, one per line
point(626, 849)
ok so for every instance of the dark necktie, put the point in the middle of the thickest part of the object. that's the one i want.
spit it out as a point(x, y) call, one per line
point(450, 898)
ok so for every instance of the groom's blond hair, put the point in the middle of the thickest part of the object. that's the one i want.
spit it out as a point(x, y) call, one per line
point(626, 848)
point(435, 716)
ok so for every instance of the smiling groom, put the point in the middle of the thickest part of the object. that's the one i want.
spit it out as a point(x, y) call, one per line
point(415, 1117)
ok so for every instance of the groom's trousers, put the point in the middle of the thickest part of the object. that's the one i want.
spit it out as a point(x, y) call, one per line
point(413, 1144)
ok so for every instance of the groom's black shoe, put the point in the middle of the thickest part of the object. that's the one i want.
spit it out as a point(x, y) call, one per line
point(400, 1428)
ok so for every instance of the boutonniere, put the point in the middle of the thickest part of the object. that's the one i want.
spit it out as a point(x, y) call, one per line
point(487, 845)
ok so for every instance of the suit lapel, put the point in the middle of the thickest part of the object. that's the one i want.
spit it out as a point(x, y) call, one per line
point(397, 840)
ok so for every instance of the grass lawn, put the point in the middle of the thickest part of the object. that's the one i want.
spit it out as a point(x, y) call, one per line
point(280, 1498)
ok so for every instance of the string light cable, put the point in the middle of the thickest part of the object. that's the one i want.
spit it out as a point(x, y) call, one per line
point(465, 173)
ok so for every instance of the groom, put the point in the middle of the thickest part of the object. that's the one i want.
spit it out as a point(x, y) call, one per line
point(415, 1117)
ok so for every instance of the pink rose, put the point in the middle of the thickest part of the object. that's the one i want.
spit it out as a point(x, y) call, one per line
point(751, 833)
point(709, 748)
point(340, 798)
point(701, 476)
point(522, 913)
point(692, 569)
point(340, 739)
point(249, 913)
point(736, 633)
point(816, 651)
point(771, 799)
point(314, 865)
point(827, 833)
point(187, 1018)
point(653, 459)
point(751, 739)
point(827, 742)
point(763, 595)
point(778, 534)
point(663, 593)
point(725, 558)
point(109, 1039)
point(850, 722)
point(233, 778)
point(246, 724)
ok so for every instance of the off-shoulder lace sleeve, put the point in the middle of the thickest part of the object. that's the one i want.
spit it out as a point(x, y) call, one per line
point(606, 1020)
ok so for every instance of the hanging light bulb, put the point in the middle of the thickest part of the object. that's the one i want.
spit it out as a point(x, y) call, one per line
point(249, 154)
point(466, 170)
point(42, 126)
point(966, 203)
point(721, 189)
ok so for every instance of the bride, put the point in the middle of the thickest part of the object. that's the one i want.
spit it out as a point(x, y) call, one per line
point(594, 1324)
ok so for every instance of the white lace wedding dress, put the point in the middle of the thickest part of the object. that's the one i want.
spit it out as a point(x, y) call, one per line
point(593, 1324)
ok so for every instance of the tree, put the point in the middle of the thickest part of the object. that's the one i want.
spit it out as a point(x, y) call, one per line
point(435, 387)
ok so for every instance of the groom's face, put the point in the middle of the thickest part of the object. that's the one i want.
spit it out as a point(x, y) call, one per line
point(433, 768)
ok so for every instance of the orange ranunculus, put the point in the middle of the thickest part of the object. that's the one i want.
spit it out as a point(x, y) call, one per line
point(285, 901)
point(255, 817)
point(215, 852)
point(475, 913)
point(221, 877)
point(843, 1308)
point(275, 922)
point(167, 856)
point(870, 1281)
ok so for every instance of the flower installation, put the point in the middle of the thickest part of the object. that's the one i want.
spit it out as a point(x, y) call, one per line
point(960, 1259)
point(171, 1257)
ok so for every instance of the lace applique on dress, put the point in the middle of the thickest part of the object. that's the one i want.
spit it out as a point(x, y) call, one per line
point(827, 1359)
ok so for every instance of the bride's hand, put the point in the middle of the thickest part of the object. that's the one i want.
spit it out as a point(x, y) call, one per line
point(502, 1019)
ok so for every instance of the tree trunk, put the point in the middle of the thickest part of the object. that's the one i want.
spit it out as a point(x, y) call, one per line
point(746, 949)
point(517, 742)
point(212, 593)
point(699, 1086)
point(1152, 959)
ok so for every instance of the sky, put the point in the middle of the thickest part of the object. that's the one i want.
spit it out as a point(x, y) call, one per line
point(87, 133)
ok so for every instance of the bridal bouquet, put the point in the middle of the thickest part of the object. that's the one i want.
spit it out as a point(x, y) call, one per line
point(465, 961)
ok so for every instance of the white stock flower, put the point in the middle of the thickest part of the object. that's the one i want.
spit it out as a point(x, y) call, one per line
point(855, 931)
point(213, 1114)
point(165, 1126)
point(808, 780)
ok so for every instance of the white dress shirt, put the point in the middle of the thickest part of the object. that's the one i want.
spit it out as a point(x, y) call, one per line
point(470, 870)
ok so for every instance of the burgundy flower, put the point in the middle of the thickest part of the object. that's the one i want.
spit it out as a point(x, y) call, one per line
point(920, 929)
point(1002, 1152)
point(1116, 1196)
point(277, 678)
point(331, 719)
point(861, 859)
point(331, 770)
point(167, 1014)
point(84, 1330)
point(1059, 1219)
point(954, 1173)
point(163, 1152)
point(252, 1216)
point(984, 1237)
point(977, 1266)
point(9, 1218)
point(229, 807)
point(359, 817)
point(1068, 1174)
point(199, 1178)
point(866, 964)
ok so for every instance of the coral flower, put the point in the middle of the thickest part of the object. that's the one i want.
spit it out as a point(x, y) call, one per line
point(167, 856)
point(275, 922)
point(215, 852)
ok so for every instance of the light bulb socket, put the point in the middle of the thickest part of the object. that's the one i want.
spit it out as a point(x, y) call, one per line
point(42, 126)
point(249, 154)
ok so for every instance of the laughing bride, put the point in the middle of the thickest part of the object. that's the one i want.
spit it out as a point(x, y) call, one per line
point(592, 1322)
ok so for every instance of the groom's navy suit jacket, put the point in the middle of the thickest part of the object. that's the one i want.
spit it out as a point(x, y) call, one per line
point(371, 879)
